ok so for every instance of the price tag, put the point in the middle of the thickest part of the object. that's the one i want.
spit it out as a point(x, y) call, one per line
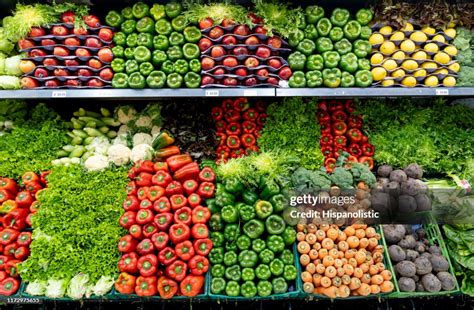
point(442, 92)
point(250, 93)
point(59, 94)
point(105, 93)
point(212, 93)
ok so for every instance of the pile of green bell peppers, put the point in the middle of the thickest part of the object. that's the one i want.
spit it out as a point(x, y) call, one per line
point(155, 47)
point(331, 51)
point(252, 243)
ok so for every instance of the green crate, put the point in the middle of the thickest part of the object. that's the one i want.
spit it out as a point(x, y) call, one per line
point(295, 293)
point(388, 266)
point(23, 294)
point(434, 236)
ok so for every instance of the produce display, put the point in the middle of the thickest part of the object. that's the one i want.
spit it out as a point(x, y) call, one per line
point(464, 44)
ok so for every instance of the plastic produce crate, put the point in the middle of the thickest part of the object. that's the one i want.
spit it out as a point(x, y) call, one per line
point(134, 297)
point(22, 293)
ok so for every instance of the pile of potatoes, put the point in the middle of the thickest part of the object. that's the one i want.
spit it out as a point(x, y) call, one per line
point(419, 265)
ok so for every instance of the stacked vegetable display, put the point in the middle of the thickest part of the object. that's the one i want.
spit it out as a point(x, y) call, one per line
point(9, 63)
point(331, 51)
point(463, 42)
point(155, 47)
point(238, 126)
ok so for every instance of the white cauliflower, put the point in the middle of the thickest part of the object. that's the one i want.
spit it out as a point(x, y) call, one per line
point(155, 131)
point(119, 154)
point(125, 114)
point(143, 121)
point(123, 130)
point(121, 139)
point(142, 152)
point(99, 145)
point(142, 138)
point(97, 163)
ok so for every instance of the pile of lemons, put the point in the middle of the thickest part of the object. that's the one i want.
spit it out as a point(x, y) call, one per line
point(412, 57)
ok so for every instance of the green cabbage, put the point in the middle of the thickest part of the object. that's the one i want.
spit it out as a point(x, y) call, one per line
point(12, 65)
point(9, 82)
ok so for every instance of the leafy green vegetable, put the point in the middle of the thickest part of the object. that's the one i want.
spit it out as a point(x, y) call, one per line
point(76, 229)
point(304, 180)
point(342, 178)
point(9, 82)
point(278, 17)
point(197, 11)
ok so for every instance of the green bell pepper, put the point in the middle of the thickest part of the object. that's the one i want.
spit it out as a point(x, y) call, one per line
point(258, 245)
point(287, 257)
point(254, 228)
point(192, 80)
point(211, 203)
point(248, 274)
point(289, 235)
point(161, 42)
point(118, 51)
point(131, 66)
point(332, 77)
point(275, 224)
point(248, 289)
point(324, 27)
point(195, 65)
point(120, 38)
point(127, 12)
point(263, 272)
point(132, 40)
point(269, 189)
point(145, 39)
point(136, 80)
point(363, 78)
point(246, 212)
point(146, 25)
point(176, 39)
point(336, 34)
point(364, 16)
point(230, 258)
point(290, 273)
point(230, 246)
point(295, 37)
point(142, 54)
point(279, 201)
point(244, 242)
point(310, 32)
point(129, 53)
point(277, 267)
point(263, 209)
point(347, 79)
point(315, 62)
point(248, 258)
point(174, 53)
point(118, 65)
point(340, 17)
point(173, 9)
point(114, 19)
point(191, 51)
point(264, 288)
point(324, 45)
point(216, 256)
point(217, 271)
point(297, 80)
point(331, 59)
point(179, 23)
point(343, 47)
point(218, 285)
point(217, 238)
point(266, 256)
point(157, 11)
point(120, 80)
point(275, 243)
point(363, 64)
point(229, 214)
point(352, 30)
point(362, 48)
point(279, 285)
point(300, 21)
point(297, 61)
point(249, 197)
point(231, 231)
point(192, 34)
point(233, 272)
point(216, 223)
point(233, 186)
point(224, 198)
point(168, 67)
point(365, 32)
point(232, 288)
point(162, 26)
point(158, 57)
point(306, 47)
point(181, 66)
point(349, 63)
point(313, 14)
point(128, 26)
point(146, 68)
point(140, 10)
point(314, 78)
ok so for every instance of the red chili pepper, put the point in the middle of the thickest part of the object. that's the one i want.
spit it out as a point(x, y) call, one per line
point(355, 121)
point(191, 285)
point(146, 286)
point(162, 205)
point(241, 104)
point(176, 270)
point(227, 104)
point(125, 283)
point(368, 149)
point(144, 216)
point(24, 238)
point(339, 128)
point(233, 129)
point(221, 126)
point(174, 188)
point(22, 252)
point(355, 150)
point(177, 202)
point(330, 164)
point(144, 179)
point(176, 162)
point(128, 263)
point(325, 128)
point(233, 142)
point(127, 244)
point(200, 231)
point(161, 178)
point(251, 115)
point(145, 247)
point(194, 200)
point(167, 256)
point(217, 113)
point(248, 140)
point(326, 139)
point(131, 204)
point(167, 288)
point(349, 106)
point(354, 134)
point(200, 215)
point(202, 246)
point(334, 105)
point(340, 141)
point(136, 231)
point(180, 232)
point(185, 250)
point(163, 220)
point(323, 116)
point(188, 172)
point(207, 175)
point(339, 116)
point(190, 186)
point(183, 216)
point(327, 151)
point(221, 138)
point(206, 190)
point(149, 229)
point(248, 127)
point(161, 165)
point(131, 188)
point(198, 265)
point(160, 240)
point(368, 161)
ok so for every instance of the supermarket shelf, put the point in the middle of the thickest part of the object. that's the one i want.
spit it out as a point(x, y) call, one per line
point(375, 92)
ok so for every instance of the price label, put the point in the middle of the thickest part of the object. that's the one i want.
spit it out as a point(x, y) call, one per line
point(105, 93)
point(212, 93)
point(250, 93)
point(442, 92)
point(59, 94)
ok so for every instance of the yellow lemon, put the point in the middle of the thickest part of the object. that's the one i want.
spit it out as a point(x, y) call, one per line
point(407, 46)
point(449, 81)
point(379, 73)
point(397, 36)
point(387, 47)
point(439, 38)
point(409, 81)
point(390, 64)
point(450, 32)
point(376, 38)
point(431, 48)
point(420, 55)
point(386, 30)
point(407, 27)
point(428, 30)
point(442, 58)
point(454, 67)
point(451, 50)
point(376, 59)
point(442, 71)
point(398, 73)
point(399, 55)
point(409, 65)
point(388, 83)
point(431, 81)
point(418, 36)
point(429, 65)
point(420, 73)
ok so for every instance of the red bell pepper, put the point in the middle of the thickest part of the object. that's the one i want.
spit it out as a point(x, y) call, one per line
point(191, 285)
point(131, 203)
point(188, 172)
point(200, 231)
point(142, 193)
point(364, 139)
point(131, 188)
point(248, 127)
point(180, 232)
point(339, 128)
point(136, 231)
point(33, 187)
point(147, 265)
point(250, 115)
point(183, 216)
point(202, 246)
point(162, 205)
point(232, 116)
point(24, 238)
point(149, 229)
point(11, 268)
point(167, 152)
point(368, 149)
point(339, 150)
point(132, 173)
point(167, 288)
point(155, 192)
point(262, 119)
point(145, 166)
point(3, 275)
point(145, 247)
point(128, 219)
point(125, 283)
point(354, 134)
point(248, 140)
point(174, 188)
point(325, 128)
point(167, 256)
point(355, 150)
point(8, 236)
point(35, 206)
point(5, 195)
point(161, 165)
point(8, 185)
point(128, 263)
point(127, 244)
point(144, 179)
point(146, 204)
point(176, 162)
point(349, 106)
point(334, 105)
point(340, 141)
point(207, 175)
point(339, 116)
point(189, 187)
point(221, 126)
point(16, 219)
point(176, 270)
point(252, 149)
point(185, 250)
point(233, 129)
point(9, 286)
point(10, 249)
point(144, 216)
point(323, 116)
point(177, 202)
point(322, 105)
point(330, 164)
point(355, 121)
point(217, 113)
point(221, 138)
point(22, 253)
point(146, 286)
point(163, 221)
point(326, 139)
point(352, 159)
point(368, 161)
point(327, 151)
point(200, 215)
point(237, 153)
point(241, 104)
point(30, 177)
point(4, 259)
point(198, 265)
point(194, 200)
point(227, 104)
point(44, 177)
point(261, 106)
point(29, 219)
point(160, 240)
point(206, 190)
